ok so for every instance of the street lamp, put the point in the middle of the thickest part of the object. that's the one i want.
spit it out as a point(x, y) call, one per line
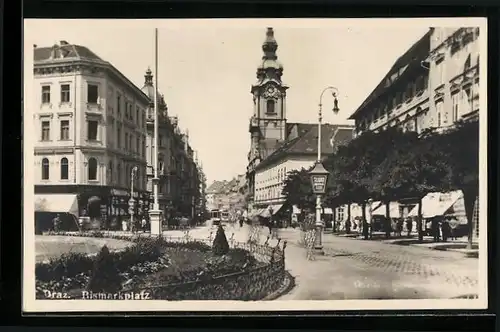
point(370, 213)
point(319, 179)
point(319, 175)
point(131, 204)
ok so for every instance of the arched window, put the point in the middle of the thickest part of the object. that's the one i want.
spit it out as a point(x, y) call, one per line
point(119, 174)
point(92, 169)
point(270, 106)
point(64, 169)
point(45, 169)
point(110, 170)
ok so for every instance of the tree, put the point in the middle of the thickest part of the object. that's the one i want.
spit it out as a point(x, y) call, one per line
point(220, 246)
point(298, 191)
point(460, 147)
point(413, 170)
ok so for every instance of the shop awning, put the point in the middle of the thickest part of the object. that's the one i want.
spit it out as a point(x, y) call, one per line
point(58, 203)
point(327, 211)
point(276, 208)
point(295, 209)
point(265, 213)
point(393, 210)
point(435, 204)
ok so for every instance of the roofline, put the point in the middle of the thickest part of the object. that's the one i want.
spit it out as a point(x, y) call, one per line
point(104, 64)
point(389, 72)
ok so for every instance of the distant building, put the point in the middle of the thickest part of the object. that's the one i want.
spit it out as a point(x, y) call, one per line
point(299, 151)
point(90, 129)
point(178, 189)
point(277, 146)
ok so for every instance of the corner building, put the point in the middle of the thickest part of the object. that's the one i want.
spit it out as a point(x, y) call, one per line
point(90, 132)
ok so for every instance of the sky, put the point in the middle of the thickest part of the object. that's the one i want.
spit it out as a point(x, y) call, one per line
point(206, 69)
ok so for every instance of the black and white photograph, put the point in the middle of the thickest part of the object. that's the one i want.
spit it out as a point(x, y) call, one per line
point(254, 164)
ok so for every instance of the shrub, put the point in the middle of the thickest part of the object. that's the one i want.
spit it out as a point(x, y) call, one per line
point(105, 275)
point(220, 246)
point(67, 265)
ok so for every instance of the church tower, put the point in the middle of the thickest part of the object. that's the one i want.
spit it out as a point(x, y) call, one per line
point(268, 122)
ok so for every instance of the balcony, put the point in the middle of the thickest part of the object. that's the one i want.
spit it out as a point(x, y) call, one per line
point(253, 124)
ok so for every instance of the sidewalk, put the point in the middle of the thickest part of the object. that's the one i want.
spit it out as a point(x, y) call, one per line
point(459, 245)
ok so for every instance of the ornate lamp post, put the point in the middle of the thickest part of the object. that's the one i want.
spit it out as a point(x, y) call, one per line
point(319, 179)
point(319, 175)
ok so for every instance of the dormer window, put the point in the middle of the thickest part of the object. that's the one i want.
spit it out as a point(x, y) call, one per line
point(270, 106)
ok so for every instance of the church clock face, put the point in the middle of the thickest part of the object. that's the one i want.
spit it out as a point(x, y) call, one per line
point(271, 90)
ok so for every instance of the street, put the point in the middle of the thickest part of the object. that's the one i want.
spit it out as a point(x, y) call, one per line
point(358, 269)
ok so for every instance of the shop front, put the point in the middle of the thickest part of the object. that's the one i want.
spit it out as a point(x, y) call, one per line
point(103, 206)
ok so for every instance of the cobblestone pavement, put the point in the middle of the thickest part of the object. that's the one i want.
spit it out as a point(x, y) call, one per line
point(357, 269)
point(353, 269)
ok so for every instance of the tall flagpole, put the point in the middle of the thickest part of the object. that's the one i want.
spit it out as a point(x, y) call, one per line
point(155, 213)
point(155, 168)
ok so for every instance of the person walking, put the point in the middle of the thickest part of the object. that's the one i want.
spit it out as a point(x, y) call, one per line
point(143, 224)
point(56, 222)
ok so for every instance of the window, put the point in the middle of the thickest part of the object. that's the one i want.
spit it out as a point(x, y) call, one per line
point(92, 93)
point(45, 130)
point(65, 93)
point(118, 105)
point(138, 145)
point(130, 113)
point(110, 170)
point(126, 141)
point(137, 117)
point(126, 110)
point(64, 169)
point(46, 94)
point(45, 169)
point(131, 142)
point(64, 130)
point(92, 127)
point(439, 120)
point(270, 106)
point(455, 106)
point(160, 139)
point(92, 169)
point(118, 137)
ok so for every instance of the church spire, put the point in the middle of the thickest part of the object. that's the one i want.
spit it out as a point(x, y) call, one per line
point(148, 78)
point(270, 67)
point(270, 46)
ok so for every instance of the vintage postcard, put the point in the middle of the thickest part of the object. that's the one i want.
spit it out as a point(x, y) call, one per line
point(255, 164)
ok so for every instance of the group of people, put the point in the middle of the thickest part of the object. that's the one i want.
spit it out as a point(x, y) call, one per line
point(443, 229)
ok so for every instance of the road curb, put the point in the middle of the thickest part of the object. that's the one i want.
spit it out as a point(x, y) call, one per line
point(287, 285)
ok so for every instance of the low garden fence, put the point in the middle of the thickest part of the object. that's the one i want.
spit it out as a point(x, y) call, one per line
point(251, 285)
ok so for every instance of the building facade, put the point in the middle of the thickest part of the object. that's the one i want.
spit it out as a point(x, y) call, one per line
point(402, 96)
point(433, 85)
point(178, 169)
point(454, 75)
point(90, 125)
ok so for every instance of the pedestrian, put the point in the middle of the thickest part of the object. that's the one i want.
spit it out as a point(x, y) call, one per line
point(143, 224)
point(445, 230)
point(56, 222)
point(270, 226)
point(435, 229)
point(409, 225)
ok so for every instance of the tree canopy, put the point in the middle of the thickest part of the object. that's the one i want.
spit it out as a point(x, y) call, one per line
point(393, 165)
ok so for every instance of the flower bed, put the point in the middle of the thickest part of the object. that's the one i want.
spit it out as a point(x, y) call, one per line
point(176, 269)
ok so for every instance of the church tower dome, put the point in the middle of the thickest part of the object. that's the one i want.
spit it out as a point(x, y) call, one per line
point(270, 67)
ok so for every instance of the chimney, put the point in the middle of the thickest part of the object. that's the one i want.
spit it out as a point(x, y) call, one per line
point(34, 45)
